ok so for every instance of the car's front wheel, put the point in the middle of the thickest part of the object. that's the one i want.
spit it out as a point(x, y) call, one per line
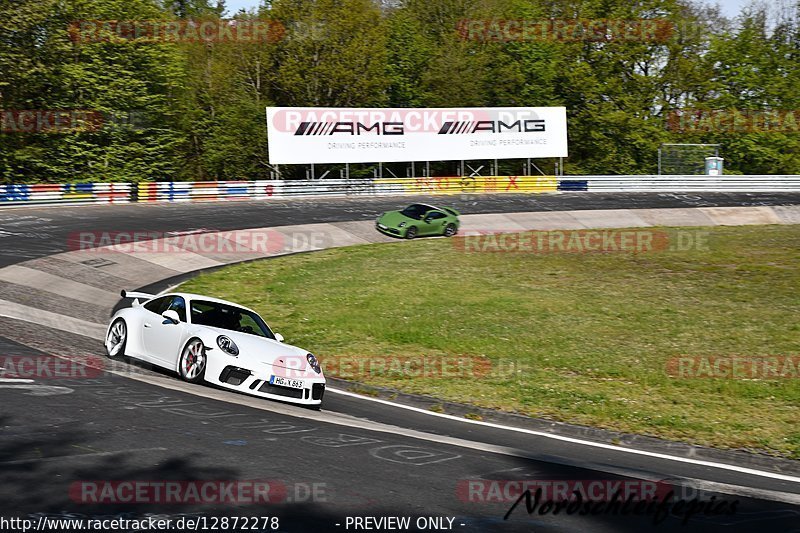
point(450, 230)
point(192, 365)
point(411, 232)
point(116, 338)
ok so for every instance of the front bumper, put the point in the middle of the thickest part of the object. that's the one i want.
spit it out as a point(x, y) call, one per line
point(391, 232)
point(246, 381)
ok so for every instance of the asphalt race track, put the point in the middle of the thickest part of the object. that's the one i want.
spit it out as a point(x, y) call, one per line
point(27, 233)
point(63, 439)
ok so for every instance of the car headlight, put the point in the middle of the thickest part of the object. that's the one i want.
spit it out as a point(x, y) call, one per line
point(227, 345)
point(313, 362)
point(401, 225)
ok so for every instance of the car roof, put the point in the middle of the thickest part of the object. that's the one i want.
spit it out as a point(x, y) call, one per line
point(429, 206)
point(191, 296)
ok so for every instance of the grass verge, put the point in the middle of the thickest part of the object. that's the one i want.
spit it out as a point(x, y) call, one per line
point(585, 338)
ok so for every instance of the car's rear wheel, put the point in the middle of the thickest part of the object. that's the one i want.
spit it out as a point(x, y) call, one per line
point(450, 230)
point(116, 338)
point(411, 232)
point(192, 365)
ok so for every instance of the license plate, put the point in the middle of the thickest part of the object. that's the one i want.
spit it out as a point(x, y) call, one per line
point(286, 382)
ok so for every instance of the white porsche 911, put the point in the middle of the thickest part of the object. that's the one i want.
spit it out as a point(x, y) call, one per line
point(225, 344)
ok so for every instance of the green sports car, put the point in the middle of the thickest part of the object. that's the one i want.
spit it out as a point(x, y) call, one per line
point(418, 220)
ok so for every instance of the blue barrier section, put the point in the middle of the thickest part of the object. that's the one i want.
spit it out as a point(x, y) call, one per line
point(573, 185)
point(177, 190)
point(14, 193)
point(235, 190)
point(77, 188)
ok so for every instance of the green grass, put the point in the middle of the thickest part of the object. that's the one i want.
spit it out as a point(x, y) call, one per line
point(580, 338)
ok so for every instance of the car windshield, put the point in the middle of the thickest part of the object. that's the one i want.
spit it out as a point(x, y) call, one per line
point(230, 317)
point(416, 211)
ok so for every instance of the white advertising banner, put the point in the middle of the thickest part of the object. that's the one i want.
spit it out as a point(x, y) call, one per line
point(303, 135)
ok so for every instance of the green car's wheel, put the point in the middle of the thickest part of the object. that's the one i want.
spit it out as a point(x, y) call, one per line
point(411, 232)
point(450, 230)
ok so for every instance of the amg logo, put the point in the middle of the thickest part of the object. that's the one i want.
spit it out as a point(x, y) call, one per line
point(349, 128)
point(491, 126)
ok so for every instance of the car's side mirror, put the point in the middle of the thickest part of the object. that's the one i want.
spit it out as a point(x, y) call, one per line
point(171, 315)
point(278, 337)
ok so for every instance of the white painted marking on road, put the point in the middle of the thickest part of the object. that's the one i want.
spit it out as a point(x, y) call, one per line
point(734, 490)
point(14, 380)
point(38, 390)
point(60, 458)
point(367, 425)
point(699, 462)
point(352, 422)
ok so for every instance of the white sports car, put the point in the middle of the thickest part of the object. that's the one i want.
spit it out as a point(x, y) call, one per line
point(220, 342)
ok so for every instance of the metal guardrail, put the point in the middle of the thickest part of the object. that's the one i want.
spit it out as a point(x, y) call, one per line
point(64, 193)
point(654, 183)
point(38, 194)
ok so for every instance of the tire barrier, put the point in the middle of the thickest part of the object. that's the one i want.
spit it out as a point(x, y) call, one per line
point(64, 193)
point(187, 191)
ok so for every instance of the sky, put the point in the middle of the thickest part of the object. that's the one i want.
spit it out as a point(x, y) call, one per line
point(730, 8)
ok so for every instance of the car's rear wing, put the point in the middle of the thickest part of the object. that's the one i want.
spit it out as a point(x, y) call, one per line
point(451, 211)
point(133, 294)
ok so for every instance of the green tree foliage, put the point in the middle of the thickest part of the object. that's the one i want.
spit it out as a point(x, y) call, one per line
point(756, 69)
point(195, 110)
point(333, 54)
point(126, 86)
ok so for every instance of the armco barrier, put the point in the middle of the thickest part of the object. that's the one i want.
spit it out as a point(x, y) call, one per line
point(470, 184)
point(654, 183)
point(188, 191)
point(168, 191)
point(192, 191)
point(58, 193)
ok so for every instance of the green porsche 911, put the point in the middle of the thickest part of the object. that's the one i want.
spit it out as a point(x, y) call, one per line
point(418, 220)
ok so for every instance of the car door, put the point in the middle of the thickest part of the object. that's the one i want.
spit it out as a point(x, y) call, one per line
point(160, 337)
point(433, 223)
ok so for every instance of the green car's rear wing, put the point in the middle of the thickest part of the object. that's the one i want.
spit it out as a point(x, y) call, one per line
point(451, 211)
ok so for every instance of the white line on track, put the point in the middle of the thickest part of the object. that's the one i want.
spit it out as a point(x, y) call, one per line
point(15, 380)
point(721, 466)
point(341, 419)
point(352, 422)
